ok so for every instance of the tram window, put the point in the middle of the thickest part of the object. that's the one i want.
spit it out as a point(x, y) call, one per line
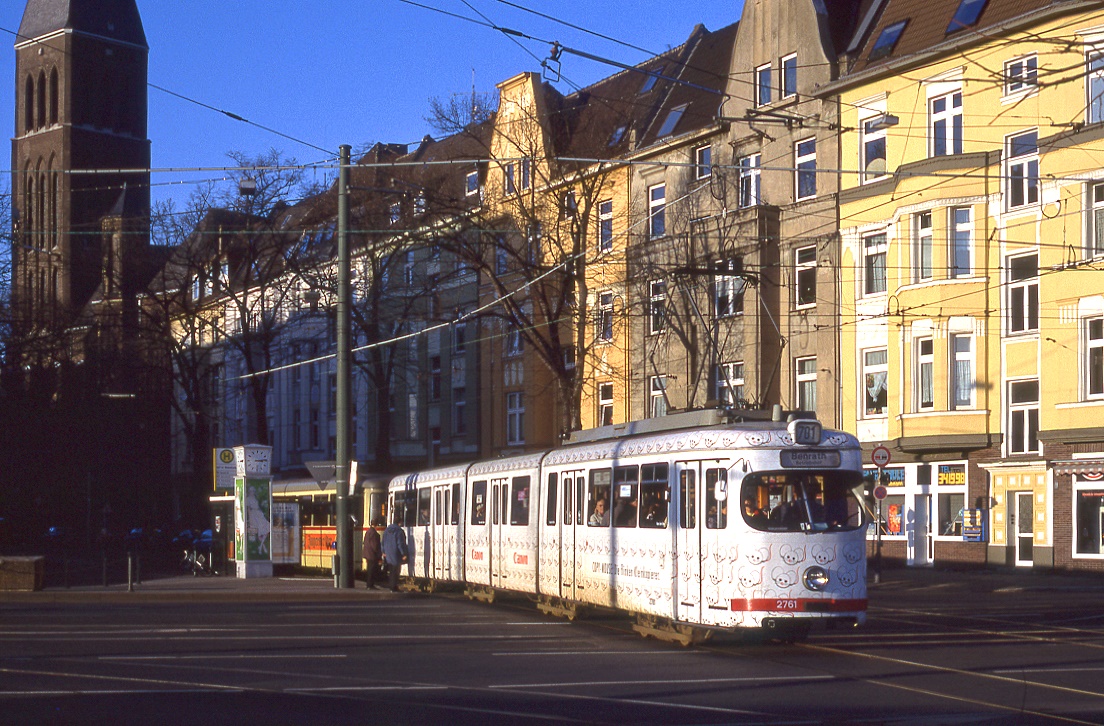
point(411, 509)
point(580, 500)
point(519, 507)
point(440, 506)
point(802, 501)
point(479, 503)
point(688, 499)
point(655, 496)
point(598, 499)
point(716, 508)
point(625, 490)
point(423, 507)
point(455, 504)
point(567, 506)
point(551, 503)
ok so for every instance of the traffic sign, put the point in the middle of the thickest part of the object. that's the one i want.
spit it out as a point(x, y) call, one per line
point(880, 492)
point(880, 456)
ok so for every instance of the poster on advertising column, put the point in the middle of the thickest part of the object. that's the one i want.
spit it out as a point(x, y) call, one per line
point(285, 533)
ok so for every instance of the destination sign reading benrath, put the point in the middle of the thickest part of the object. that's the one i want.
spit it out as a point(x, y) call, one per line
point(810, 459)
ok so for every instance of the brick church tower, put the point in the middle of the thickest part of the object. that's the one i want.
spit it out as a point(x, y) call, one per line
point(80, 154)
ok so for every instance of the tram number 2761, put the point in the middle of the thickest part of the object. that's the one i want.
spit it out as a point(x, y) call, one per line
point(786, 605)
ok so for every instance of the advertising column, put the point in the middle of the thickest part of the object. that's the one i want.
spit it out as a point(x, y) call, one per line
point(253, 510)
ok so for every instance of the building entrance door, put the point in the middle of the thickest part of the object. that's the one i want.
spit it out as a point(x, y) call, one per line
point(1023, 524)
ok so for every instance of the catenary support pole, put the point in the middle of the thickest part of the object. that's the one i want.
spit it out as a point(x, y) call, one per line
point(344, 380)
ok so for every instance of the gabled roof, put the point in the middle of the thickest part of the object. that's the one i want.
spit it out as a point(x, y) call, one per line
point(626, 111)
point(116, 19)
point(922, 25)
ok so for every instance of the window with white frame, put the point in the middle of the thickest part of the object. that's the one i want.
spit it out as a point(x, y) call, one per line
point(604, 332)
point(515, 418)
point(730, 383)
point(509, 185)
point(526, 173)
point(875, 382)
point(1094, 246)
point(805, 276)
point(1023, 417)
point(605, 225)
point(728, 289)
point(657, 306)
point(789, 76)
point(962, 371)
point(502, 256)
point(515, 343)
point(763, 85)
point(805, 382)
point(749, 180)
point(472, 183)
point(657, 210)
point(1093, 357)
point(805, 178)
point(1023, 169)
point(1094, 87)
point(658, 396)
point(962, 242)
point(1023, 293)
point(1088, 517)
point(1021, 74)
point(873, 148)
point(925, 374)
point(922, 247)
point(945, 130)
point(570, 205)
point(605, 404)
point(875, 249)
point(703, 162)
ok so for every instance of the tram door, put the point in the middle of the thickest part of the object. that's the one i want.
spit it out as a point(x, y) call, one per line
point(686, 558)
point(438, 537)
point(567, 537)
point(500, 517)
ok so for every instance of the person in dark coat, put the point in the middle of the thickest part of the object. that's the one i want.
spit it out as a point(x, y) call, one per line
point(372, 552)
point(394, 553)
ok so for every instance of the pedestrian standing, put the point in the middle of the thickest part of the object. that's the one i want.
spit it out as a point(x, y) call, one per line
point(371, 550)
point(394, 552)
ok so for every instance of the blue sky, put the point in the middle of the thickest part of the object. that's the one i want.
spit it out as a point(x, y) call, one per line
point(352, 71)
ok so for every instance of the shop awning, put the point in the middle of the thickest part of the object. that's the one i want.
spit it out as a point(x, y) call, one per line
point(1078, 466)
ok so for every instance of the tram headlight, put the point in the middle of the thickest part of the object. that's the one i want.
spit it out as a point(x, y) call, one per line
point(816, 578)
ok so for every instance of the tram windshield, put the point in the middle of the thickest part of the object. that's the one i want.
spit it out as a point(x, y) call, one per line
point(804, 501)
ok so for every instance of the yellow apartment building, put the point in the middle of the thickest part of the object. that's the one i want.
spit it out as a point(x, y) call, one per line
point(971, 322)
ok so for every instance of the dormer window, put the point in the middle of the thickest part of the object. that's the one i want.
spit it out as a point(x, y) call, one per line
point(669, 124)
point(617, 135)
point(650, 81)
point(472, 183)
point(967, 14)
point(887, 40)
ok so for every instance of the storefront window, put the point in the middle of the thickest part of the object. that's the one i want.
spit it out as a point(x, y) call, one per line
point(1089, 517)
point(950, 514)
point(951, 500)
point(893, 516)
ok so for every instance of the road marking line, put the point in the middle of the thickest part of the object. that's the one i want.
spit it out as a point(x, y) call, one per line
point(267, 656)
point(667, 682)
point(539, 653)
point(338, 689)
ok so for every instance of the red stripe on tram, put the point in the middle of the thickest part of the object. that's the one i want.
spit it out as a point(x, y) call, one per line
point(798, 605)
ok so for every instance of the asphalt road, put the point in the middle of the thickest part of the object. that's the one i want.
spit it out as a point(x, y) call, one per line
point(939, 648)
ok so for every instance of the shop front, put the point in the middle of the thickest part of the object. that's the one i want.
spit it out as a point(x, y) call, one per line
point(925, 516)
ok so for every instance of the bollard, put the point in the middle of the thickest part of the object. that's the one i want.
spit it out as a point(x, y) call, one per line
point(130, 572)
point(336, 564)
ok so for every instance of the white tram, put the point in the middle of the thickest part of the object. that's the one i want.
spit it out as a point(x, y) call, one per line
point(750, 525)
